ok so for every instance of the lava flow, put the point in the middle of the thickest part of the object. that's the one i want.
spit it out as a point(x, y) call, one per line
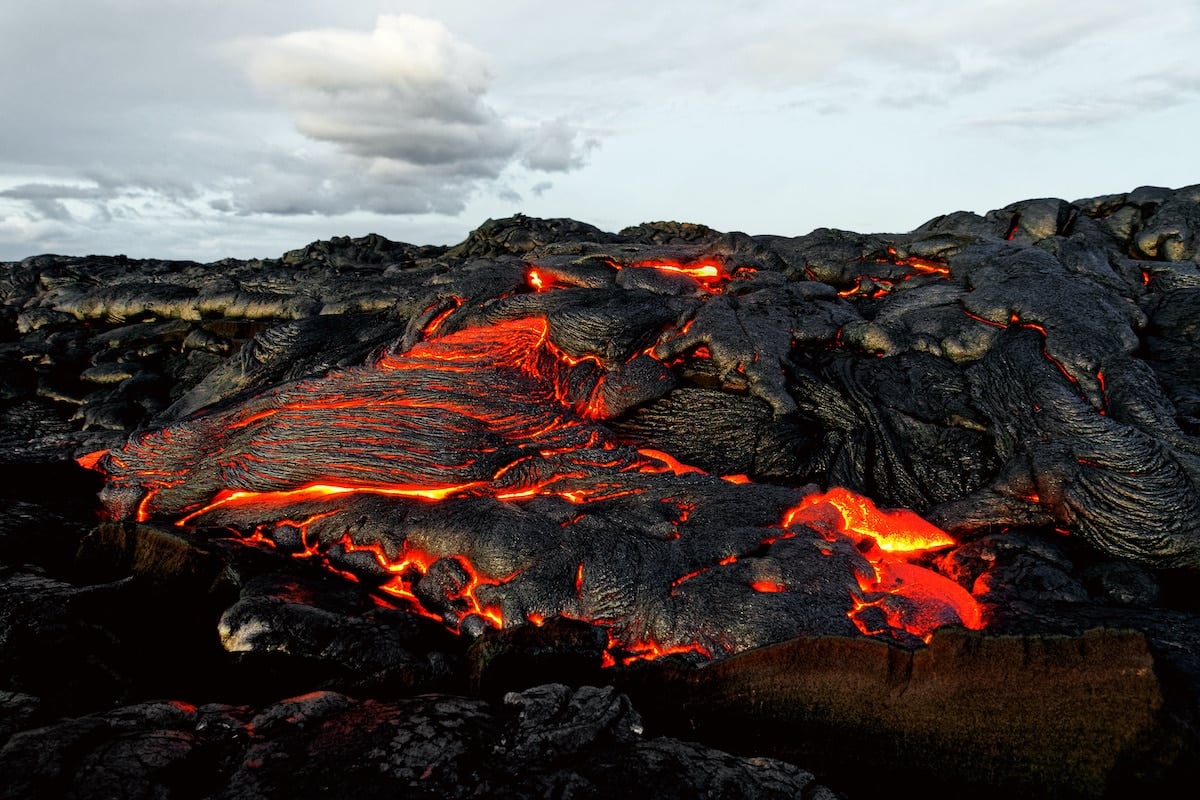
point(473, 477)
point(910, 597)
point(879, 286)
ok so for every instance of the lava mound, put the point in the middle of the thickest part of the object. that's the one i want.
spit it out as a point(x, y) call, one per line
point(627, 429)
point(472, 474)
point(387, 518)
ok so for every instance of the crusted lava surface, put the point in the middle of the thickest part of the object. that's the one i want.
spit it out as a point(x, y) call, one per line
point(363, 456)
point(473, 474)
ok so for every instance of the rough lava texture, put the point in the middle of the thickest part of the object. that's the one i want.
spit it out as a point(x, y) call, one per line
point(551, 448)
point(1030, 366)
point(549, 741)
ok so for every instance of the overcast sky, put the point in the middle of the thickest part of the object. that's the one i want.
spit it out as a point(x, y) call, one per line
point(207, 128)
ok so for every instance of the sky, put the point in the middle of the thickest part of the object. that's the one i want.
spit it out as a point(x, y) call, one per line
point(203, 129)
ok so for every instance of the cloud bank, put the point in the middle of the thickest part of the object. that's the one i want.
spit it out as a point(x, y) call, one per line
point(403, 118)
point(205, 128)
point(398, 119)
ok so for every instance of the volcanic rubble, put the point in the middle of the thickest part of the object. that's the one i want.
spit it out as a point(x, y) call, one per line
point(561, 512)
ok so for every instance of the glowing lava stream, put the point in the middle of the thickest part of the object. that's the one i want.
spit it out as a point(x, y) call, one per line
point(884, 285)
point(708, 275)
point(494, 411)
point(320, 491)
point(897, 531)
point(891, 536)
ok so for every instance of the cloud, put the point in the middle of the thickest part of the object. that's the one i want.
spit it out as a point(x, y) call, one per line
point(1140, 94)
point(935, 52)
point(407, 90)
point(1063, 115)
point(45, 201)
point(99, 196)
point(398, 119)
point(281, 121)
point(554, 146)
point(55, 191)
point(19, 228)
point(403, 114)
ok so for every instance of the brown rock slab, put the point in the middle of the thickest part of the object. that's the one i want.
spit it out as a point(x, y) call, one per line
point(1052, 716)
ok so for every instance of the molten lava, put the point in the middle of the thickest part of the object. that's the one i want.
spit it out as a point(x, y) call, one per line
point(898, 530)
point(500, 413)
point(890, 538)
point(878, 286)
point(709, 276)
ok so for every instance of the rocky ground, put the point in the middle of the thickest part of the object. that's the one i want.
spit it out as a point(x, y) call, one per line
point(1027, 379)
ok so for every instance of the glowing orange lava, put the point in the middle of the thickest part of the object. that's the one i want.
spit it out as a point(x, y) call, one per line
point(1015, 320)
point(709, 276)
point(431, 327)
point(537, 407)
point(879, 286)
point(663, 462)
point(407, 566)
point(320, 491)
point(649, 649)
point(89, 460)
point(892, 537)
point(921, 265)
point(893, 531)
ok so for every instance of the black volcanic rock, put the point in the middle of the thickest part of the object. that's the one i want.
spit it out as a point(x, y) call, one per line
point(424, 443)
point(520, 235)
point(545, 741)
